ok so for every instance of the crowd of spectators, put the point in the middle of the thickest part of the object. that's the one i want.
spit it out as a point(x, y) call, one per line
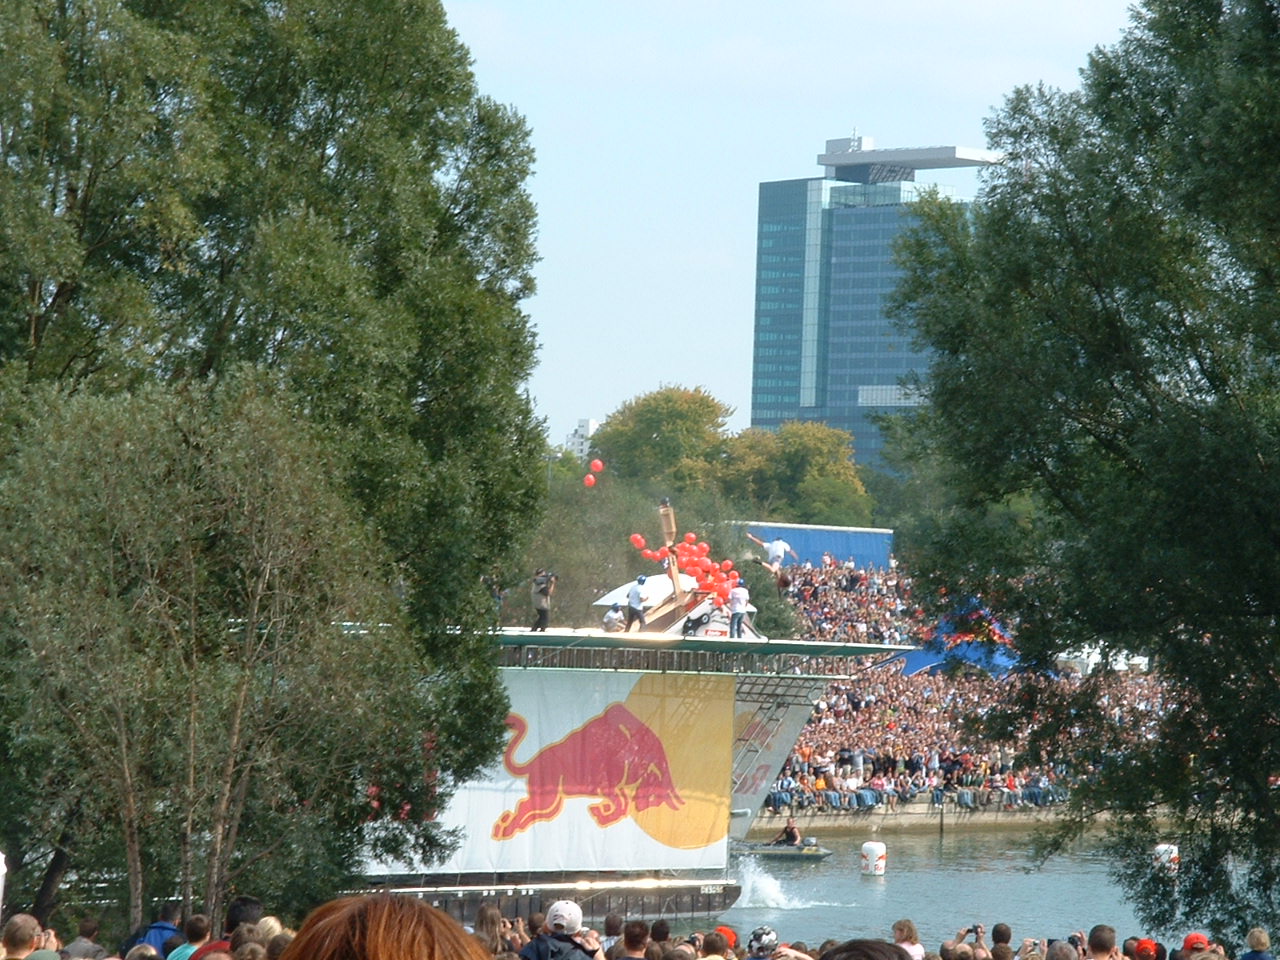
point(398, 927)
point(885, 738)
point(867, 604)
point(561, 933)
point(246, 935)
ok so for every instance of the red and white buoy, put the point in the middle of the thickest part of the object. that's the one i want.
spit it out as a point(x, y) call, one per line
point(874, 856)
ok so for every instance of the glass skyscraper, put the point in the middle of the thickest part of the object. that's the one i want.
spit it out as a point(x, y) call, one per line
point(824, 349)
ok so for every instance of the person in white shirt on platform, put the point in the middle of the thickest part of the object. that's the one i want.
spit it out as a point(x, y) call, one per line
point(636, 598)
point(739, 599)
point(615, 621)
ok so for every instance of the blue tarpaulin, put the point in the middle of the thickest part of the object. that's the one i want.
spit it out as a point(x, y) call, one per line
point(998, 659)
point(953, 643)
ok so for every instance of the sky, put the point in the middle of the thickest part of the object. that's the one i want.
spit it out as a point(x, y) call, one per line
point(655, 122)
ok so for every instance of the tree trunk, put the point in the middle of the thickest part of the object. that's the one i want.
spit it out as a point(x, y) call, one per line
point(129, 814)
point(215, 875)
point(46, 898)
point(186, 881)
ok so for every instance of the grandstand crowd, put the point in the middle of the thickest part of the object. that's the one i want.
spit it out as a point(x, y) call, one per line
point(886, 738)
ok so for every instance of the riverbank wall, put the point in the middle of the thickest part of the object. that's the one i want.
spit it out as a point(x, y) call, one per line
point(917, 816)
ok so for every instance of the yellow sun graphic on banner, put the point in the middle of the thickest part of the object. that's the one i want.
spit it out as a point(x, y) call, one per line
point(692, 716)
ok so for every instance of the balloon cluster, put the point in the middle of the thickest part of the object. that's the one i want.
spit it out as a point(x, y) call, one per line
point(597, 466)
point(694, 557)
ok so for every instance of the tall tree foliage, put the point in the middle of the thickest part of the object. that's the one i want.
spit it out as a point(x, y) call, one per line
point(316, 189)
point(1105, 332)
point(803, 472)
point(676, 439)
point(196, 620)
point(668, 435)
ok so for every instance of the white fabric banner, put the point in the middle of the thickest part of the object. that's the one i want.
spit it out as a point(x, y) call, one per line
point(603, 771)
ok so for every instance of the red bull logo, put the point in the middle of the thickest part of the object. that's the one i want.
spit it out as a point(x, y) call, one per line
point(614, 757)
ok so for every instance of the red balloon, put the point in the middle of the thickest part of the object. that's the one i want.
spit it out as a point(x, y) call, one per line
point(690, 537)
point(703, 548)
point(589, 480)
point(597, 466)
point(663, 553)
point(726, 565)
point(718, 600)
point(637, 541)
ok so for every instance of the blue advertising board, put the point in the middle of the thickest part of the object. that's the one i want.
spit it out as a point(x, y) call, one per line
point(868, 546)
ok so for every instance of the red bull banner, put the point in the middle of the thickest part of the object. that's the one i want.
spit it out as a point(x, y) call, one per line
point(603, 771)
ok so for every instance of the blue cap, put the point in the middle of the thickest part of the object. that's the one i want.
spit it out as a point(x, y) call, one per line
point(640, 579)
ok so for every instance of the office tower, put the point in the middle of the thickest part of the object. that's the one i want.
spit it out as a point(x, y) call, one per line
point(824, 349)
point(579, 442)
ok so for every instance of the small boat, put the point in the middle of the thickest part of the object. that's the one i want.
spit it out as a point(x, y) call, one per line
point(808, 849)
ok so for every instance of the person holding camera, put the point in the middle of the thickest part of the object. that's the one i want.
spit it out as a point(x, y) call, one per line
point(979, 949)
point(1100, 944)
point(540, 590)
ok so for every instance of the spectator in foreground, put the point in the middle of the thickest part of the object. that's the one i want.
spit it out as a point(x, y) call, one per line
point(906, 936)
point(48, 946)
point(381, 927)
point(1259, 945)
point(864, 950)
point(240, 910)
point(85, 946)
point(635, 938)
point(197, 930)
point(20, 935)
point(563, 936)
point(165, 925)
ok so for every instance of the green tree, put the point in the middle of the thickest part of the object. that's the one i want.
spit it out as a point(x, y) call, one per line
point(195, 617)
point(671, 435)
point(314, 189)
point(802, 473)
point(1103, 393)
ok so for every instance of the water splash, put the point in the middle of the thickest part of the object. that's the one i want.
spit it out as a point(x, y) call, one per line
point(760, 888)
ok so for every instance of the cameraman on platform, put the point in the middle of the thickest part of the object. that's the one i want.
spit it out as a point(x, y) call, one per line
point(540, 590)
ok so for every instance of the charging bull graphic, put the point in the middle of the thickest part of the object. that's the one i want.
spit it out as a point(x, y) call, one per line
point(613, 756)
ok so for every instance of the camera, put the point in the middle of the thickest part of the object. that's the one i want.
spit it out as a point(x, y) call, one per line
point(1074, 941)
point(973, 929)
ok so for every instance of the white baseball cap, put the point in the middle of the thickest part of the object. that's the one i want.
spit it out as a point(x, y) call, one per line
point(566, 914)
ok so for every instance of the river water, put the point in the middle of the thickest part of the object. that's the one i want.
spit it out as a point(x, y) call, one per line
point(943, 884)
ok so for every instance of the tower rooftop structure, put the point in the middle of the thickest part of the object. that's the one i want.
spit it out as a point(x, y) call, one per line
point(826, 349)
point(855, 160)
